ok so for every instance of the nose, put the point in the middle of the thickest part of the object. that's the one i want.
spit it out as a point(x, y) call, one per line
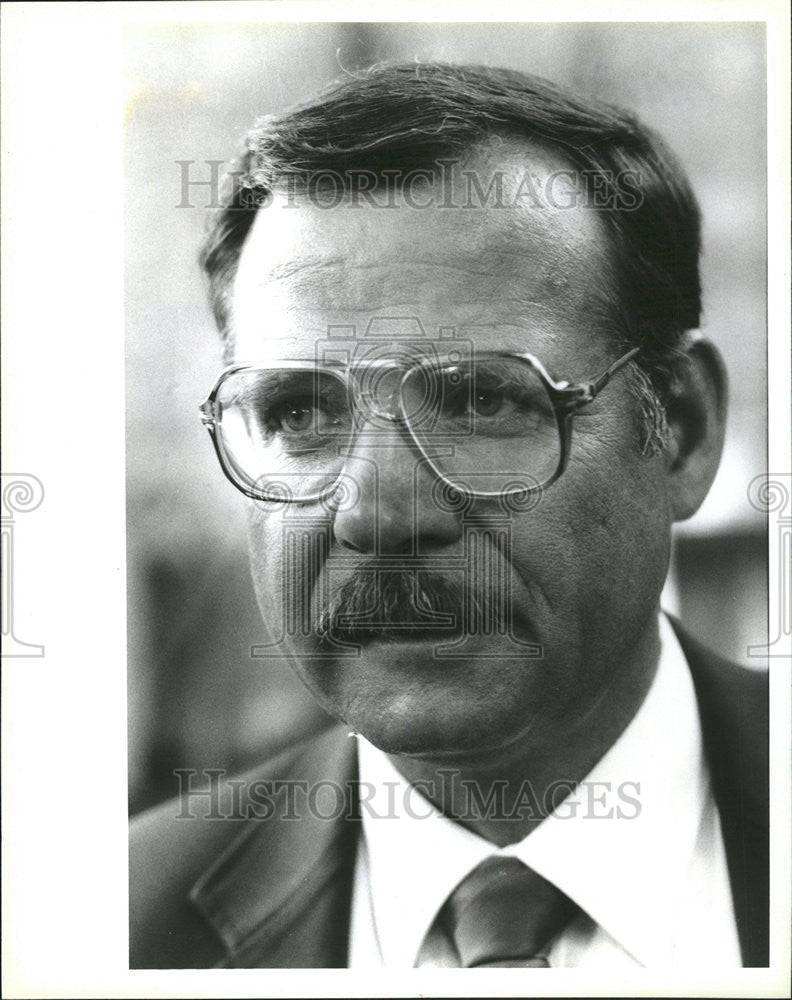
point(394, 507)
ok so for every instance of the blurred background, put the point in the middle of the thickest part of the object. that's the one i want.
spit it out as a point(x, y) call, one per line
point(196, 698)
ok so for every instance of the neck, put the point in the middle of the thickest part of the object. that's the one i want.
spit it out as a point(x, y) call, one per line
point(502, 795)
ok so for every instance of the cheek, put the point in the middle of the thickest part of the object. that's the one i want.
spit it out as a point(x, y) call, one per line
point(288, 548)
point(598, 541)
point(265, 530)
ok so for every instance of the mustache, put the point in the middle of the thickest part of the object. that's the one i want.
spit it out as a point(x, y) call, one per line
point(398, 604)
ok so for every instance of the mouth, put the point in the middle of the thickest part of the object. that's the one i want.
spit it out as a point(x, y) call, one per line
point(393, 635)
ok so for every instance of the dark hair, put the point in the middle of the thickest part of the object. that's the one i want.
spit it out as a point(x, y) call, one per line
point(393, 119)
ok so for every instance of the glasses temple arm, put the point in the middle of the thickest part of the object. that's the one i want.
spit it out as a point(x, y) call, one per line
point(599, 383)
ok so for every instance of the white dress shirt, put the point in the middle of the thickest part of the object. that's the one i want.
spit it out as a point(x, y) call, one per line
point(637, 846)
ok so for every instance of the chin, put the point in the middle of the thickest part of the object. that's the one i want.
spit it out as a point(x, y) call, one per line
point(416, 726)
point(431, 746)
point(407, 701)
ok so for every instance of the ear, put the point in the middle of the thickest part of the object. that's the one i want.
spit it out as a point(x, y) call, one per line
point(696, 413)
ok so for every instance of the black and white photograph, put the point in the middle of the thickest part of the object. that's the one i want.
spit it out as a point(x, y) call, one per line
point(431, 424)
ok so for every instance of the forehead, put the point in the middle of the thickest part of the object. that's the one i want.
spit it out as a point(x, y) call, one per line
point(502, 254)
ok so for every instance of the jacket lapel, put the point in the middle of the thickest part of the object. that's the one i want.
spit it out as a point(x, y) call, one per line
point(279, 897)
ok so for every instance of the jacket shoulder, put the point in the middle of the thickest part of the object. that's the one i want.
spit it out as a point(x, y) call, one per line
point(173, 844)
point(733, 704)
point(734, 709)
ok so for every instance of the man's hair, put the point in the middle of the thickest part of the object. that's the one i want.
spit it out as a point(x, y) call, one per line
point(393, 119)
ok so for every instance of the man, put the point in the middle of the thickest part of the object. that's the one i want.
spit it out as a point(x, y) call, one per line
point(466, 399)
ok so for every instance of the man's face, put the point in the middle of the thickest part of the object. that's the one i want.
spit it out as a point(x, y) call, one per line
point(579, 573)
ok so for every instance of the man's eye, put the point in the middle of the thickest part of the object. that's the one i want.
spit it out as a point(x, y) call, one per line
point(303, 415)
point(487, 403)
point(296, 418)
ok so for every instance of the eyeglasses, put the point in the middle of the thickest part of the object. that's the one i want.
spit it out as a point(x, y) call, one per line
point(494, 425)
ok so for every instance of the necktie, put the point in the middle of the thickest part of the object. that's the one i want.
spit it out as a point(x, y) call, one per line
point(501, 915)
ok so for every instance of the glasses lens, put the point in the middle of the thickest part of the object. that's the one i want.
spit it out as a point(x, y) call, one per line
point(488, 425)
point(283, 432)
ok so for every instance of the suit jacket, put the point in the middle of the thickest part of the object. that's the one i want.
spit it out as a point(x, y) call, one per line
point(246, 884)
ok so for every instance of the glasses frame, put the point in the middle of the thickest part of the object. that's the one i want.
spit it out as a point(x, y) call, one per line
point(565, 397)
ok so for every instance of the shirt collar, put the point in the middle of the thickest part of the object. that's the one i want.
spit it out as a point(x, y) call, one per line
point(611, 845)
